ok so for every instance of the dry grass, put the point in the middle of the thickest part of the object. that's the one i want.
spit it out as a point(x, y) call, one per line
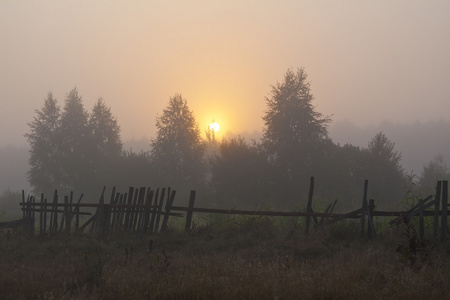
point(237, 262)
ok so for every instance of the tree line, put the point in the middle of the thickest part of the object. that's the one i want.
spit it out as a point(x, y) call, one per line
point(73, 149)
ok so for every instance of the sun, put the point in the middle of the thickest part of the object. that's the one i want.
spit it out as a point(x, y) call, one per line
point(214, 127)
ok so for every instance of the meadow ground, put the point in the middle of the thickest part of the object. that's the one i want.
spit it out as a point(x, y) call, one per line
point(225, 258)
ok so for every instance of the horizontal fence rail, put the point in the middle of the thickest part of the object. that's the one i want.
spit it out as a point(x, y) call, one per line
point(145, 210)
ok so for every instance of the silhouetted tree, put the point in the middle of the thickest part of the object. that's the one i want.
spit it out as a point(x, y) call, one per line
point(384, 171)
point(45, 171)
point(177, 151)
point(294, 131)
point(434, 171)
point(105, 148)
point(105, 131)
point(75, 142)
point(72, 149)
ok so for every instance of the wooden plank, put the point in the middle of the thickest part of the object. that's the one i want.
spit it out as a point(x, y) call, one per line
point(141, 209)
point(55, 213)
point(115, 212)
point(101, 215)
point(147, 209)
point(364, 208)
point(29, 214)
point(436, 211)
point(309, 205)
point(41, 218)
point(444, 210)
point(77, 218)
point(188, 226)
point(167, 211)
point(128, 209)
point(155, 204)
point(33, 203)
point(69, 216)
point(45, 216)
point(121, 217)
point(137, 210)
point(88, 222)
point(421, 224)
point(159, 209)
point(371, 226)
point(64, 214)
point(110, 211)
point(327, 210)
point(23, 208)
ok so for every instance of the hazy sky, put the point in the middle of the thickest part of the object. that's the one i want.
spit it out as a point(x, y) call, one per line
point(367, 61)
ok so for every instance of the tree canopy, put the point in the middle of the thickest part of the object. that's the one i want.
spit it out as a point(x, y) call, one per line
point(294, 131)
point(71, 149)
point(45, 172)
point(177, 150)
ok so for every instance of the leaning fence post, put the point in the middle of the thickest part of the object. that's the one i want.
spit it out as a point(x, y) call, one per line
point(41, 216)
point(167, 211)
point(54, 219)
point(364, 208)
point(372, 232)
point(436, 211)
point(23, 206)
point(44, 226)
point(309, 204)
point(187, 226)
point(159, 208)
point(421, 224)
point(444, 210)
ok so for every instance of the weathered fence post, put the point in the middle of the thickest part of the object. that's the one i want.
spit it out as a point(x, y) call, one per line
point(54, 214)
point(421, 224)
point(29, 218)
point(138, 200)
point(309, 204)
point(187, 226)
point(77, 217)
point(128, 209)
point(160, 205)
point(64, 214)
point(114, 212)
point(444, 210)
point(140, 221)
point(23, 206)
point(155, 205)
point(371, 226)
point(147, 210)
point(44, 208)
point(33, 214)
point(167, 211)
point(436, 211)
point(364, 208)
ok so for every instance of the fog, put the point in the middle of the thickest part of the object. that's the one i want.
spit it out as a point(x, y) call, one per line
point(373, 66)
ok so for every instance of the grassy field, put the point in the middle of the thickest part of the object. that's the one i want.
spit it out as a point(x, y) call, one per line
point(225, 258)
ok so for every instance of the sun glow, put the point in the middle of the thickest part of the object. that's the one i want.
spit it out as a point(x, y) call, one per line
point(214, 127)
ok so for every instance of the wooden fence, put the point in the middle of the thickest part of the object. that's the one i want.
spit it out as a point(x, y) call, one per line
point(142, 210)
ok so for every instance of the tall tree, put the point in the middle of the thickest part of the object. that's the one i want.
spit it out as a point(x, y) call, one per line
point(75, 142)
point(45, 172)
point(294, 131)
point(104, 131)
point(105, 148)
point(434, 171)
point(177, 150)
point(384, 171)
